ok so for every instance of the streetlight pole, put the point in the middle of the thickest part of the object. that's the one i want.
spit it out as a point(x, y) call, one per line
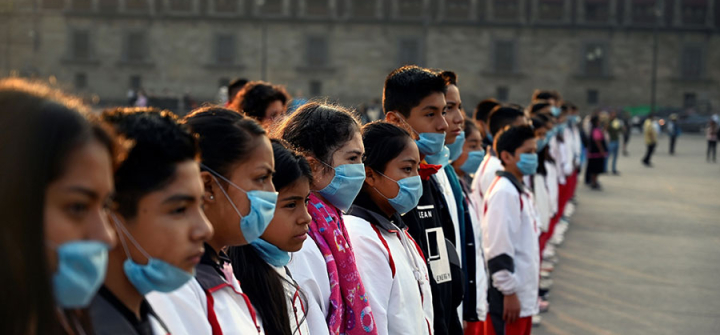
point(659, 7)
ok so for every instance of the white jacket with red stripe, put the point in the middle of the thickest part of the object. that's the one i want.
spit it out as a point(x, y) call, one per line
point(510, 241)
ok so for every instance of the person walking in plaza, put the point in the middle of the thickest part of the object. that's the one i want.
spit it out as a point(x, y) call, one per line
point(597, 151)
point(614, 130)
point(712, 133)
point(650, 139)
point(674, 131)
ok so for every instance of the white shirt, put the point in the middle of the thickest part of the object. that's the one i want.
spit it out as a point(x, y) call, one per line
point(569, 152)
point(557, 155)
point(480, 270)
point(542, 201)
point(484, 177)
point(399, 303)
point(510, 228)
point(551, 182)
point(185, 310)
point(309, 270)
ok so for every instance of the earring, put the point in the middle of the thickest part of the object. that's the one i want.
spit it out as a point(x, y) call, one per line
point(212, 197)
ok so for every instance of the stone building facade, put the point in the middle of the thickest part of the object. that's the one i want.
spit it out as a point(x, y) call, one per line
point(596, 52)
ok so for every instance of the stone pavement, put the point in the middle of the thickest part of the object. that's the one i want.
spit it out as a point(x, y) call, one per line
point(643, 256)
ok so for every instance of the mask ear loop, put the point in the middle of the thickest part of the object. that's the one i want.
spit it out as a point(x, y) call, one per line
point(130, 237)
point(214, 175)
point(396, 182)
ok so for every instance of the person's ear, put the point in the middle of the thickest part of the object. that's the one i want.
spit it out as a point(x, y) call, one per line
point(392, 117)
point(506, 158)
point(210, 187)
point(370, 176)
point(318, 169)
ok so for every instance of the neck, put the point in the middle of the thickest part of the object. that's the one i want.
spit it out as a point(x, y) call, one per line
point(117, 282)
point(216, 245)
point(459, 172)
point(516, 172)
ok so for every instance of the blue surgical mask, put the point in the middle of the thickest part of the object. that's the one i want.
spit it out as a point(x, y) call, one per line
point(270, 253)
point(408, 196)
point(156, 275)
point(489, 137)
point(473, 161)
point(561, 127)
point(430, 143)
point(541, 143)
point(442, 158)
point(262, 208)
point(344, 186)
point(80, 271)
point(551, 133)
point(457, 147)
point(528, 164)
point(555, 111)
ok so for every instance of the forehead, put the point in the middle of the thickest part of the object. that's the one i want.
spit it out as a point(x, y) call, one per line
point(355, 144)
point(453, 94)
point(185, 181)
point(89, 165)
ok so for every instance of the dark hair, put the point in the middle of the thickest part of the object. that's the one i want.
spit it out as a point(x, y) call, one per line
point(234, 87)
point(318, 129)
point(40, 128)
point(545, 95)
point(290, 165)
point(407, 86)
point(158, 144)
point(469, 126)
point(595, 120)
point(383, 142)
point(544, 154)
point(537, 106)
point(449, 77)
point(255, 97)
point(225, 136)
point(483, 109)
point(263, 285)
point(502, 116)
point(511, 138)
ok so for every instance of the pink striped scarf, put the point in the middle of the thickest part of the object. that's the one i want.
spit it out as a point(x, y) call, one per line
point(349, 310)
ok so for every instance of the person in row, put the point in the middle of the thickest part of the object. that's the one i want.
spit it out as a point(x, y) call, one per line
point(55, 189)
point(239, 201)
point(325, 268)
point(390, 262)
point(261, 267)
point(264, 102)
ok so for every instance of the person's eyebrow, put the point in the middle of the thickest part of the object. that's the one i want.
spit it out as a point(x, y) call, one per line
point(431, 107)
point(293, 198)
point(179, 198)
point(266, 168)
point(87, 192)
point(355, 152)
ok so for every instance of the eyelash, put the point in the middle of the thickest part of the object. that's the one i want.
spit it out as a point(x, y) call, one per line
point(180, 210)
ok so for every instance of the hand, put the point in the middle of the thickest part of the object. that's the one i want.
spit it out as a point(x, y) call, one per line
point(511, 308)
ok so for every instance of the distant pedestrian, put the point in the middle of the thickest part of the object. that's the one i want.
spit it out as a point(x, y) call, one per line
point(712, 136)
point(597, 151)
point(673, 131)
point(614, 130)
point(626, 132)
point(141, 100)
point(650, 139)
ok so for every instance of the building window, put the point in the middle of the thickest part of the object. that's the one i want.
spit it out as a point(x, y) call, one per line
point(315, 88)
point(317, 51)
point(80, 81)
point(595, 60)
point(597, 11)
point(551, 10)
point(593, 97)
point(691, 62)
point(81, 49)
point(364, 8)
point(135, 47)
point(317, 8)
point(643, 12)
point(693, 12)
point(82, 5)
point(504, 57)
point(457, 10)
point(410, 8)
point(225, 6)
point(502, 93)
point(506, 9)
point(108, 6)
point(53, 4)
point(135, 82)
point(689, 100)
point(224, 49)
point(409, 51)
point(137, 5)
point(270, 7)
point(181, 5)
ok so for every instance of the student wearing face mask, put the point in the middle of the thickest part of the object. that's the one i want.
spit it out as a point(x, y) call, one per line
point(414, 98)
point(390, 262)
point(261, 101)
point(236, 170)
point(261, 266)
point(54, 210)
point(510, 236)
point(472, 155)
point(329, 137)
point(157, 218)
